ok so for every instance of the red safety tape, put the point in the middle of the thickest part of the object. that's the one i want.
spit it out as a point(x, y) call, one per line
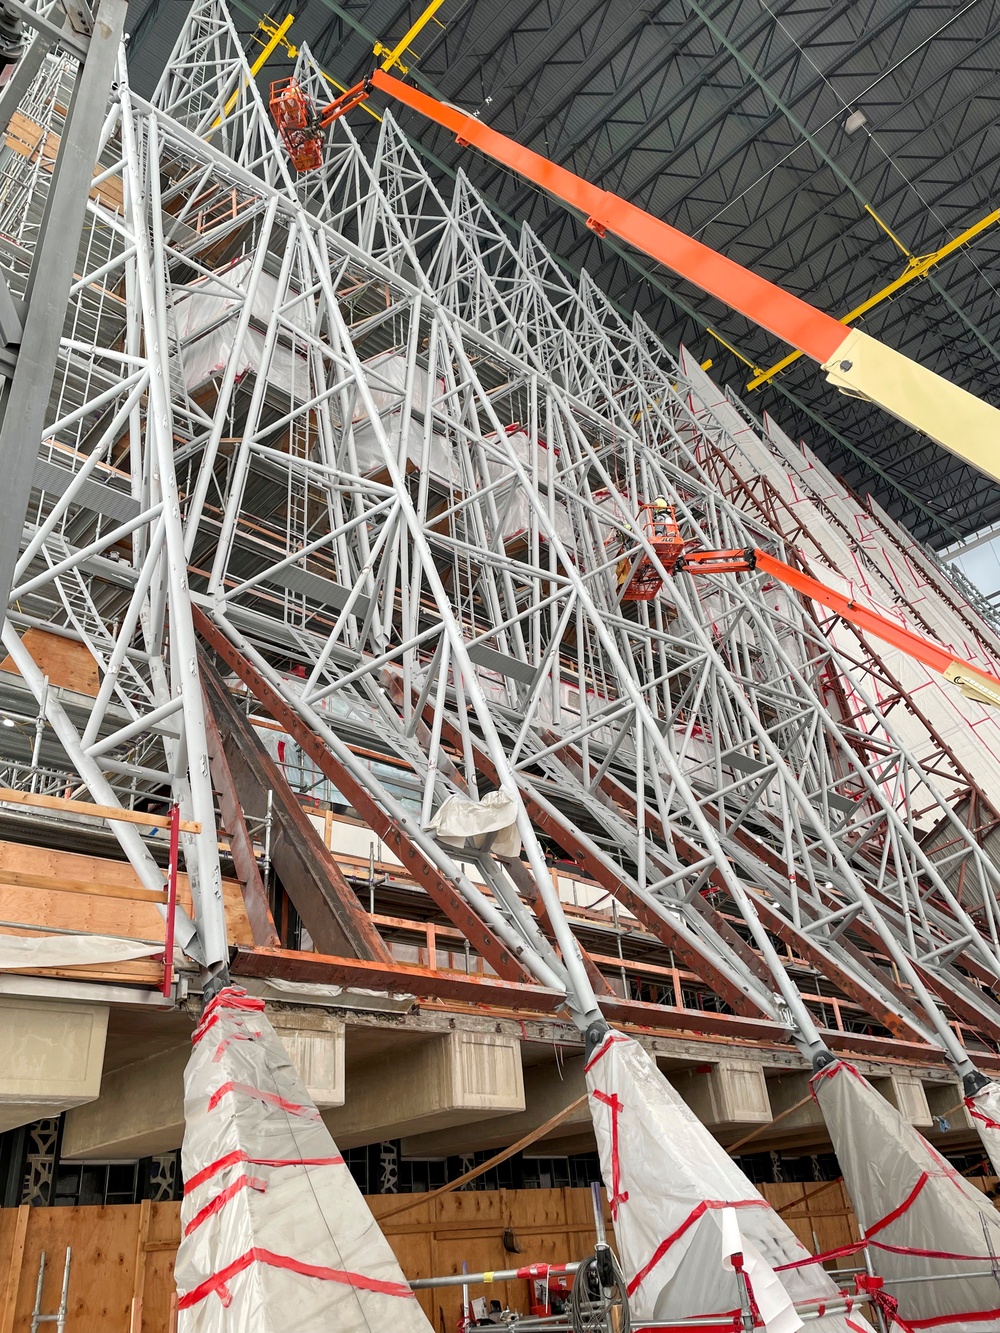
point(220, 1050)
point(231, 997)
point(896, 1213)
point(203, 1027)
point(258, 1094)
point(688, 1222)
point(603, 1049)
point(875, 1288)
point(540, 1270)
point(841, 1252)
point(238, 1156)
point(217, 1283)
point(932, 1254)
point(219, 1202)
point(972, 1317)
point(618, 1196)
point(973, 1110)
point(831, 1071)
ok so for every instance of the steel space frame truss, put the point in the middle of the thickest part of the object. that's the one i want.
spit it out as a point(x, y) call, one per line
point(395, 461)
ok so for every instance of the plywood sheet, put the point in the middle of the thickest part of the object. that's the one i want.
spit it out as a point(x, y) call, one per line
point(68, 665)
point(95, 912)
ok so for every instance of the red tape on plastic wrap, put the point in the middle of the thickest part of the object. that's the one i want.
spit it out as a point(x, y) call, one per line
point(603, 1049)
point(217, 1283)
point(219, 1202)
point(973, 1317)
point(238, 1156)
point(897, 1213)
point(617, 1195)
point(232, 997)
point(258, 1094)
point(974, 1111)
point(225, 1043)
point(689, 1222)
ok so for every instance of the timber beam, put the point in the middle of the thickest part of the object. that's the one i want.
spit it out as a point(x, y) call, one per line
point(313, 880)
point(431, 880)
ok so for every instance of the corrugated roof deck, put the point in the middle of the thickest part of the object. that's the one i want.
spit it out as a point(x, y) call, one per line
point(728, 120)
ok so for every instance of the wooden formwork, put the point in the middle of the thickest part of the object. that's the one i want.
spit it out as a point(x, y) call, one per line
point(123, 1256)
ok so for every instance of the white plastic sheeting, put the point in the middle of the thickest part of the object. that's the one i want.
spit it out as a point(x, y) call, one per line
point(919, 1215)
point(882, 566)
point(668, 1184)
point(20, 951)
point(423, 448)
point(205, 319)
point(984, 1108)
point(275, 1233)
point(514, 512)
point(461, 822)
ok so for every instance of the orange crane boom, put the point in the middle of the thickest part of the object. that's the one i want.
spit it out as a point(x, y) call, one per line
point(854, 362)
point(973, 683)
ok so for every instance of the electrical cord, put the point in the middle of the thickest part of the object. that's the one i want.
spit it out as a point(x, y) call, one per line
point(598, 1299)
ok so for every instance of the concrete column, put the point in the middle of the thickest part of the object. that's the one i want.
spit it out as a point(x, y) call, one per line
point(140, 1112)
point(51, 1057)
point(314, 1041)
point(547, 1090)
point(430, 1085)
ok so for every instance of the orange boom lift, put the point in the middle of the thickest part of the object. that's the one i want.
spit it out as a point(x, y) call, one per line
point(851, 360)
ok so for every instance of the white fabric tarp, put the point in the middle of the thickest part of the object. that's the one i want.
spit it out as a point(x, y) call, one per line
point(461, 822)
point(20, 951)
point(914, 1208)
point(669, 1183)
point(984, 1108)
point(275, 1233)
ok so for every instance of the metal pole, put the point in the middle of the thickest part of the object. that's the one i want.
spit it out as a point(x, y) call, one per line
point(24, 398)
point(36, 1314)
point(466, 1279)
point(168, 940)
point(64, 1295)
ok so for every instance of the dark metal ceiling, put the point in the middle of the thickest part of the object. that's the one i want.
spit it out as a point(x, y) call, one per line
point(728, 120)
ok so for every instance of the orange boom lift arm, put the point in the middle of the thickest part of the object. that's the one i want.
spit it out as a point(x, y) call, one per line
point(642, 579)
point(851, 360)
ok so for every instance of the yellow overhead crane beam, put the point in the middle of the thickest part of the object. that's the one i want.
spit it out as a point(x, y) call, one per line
point(917, 266)
point(275, 33)
point(404, 43)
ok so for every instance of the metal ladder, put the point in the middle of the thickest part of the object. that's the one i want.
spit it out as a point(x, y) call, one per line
point(59, 1318)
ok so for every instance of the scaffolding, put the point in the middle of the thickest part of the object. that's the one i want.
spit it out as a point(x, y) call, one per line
point(387, 462)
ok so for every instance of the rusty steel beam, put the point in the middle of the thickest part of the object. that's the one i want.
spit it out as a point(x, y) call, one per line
point(524, 882)
point(258, 910)
point(616, 795)
point(311, 877)
point(430, 879)
point(784, 929)
point(394, 977)
point(579, 850)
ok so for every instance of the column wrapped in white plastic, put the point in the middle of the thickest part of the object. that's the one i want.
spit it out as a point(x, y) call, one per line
point(669, 1183)
point(984, 1108)
point(274, 1232)
point(920, 1216)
